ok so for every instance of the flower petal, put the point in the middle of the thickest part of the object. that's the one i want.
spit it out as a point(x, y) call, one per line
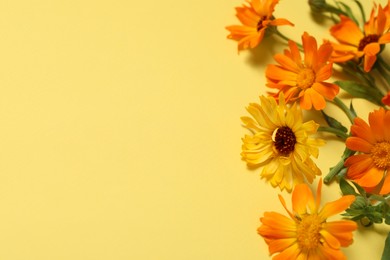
point(371, 178)
point(358, 144)
point(335, 207)
point(302, 198)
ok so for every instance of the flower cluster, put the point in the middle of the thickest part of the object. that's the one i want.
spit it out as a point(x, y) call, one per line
point(282, 145)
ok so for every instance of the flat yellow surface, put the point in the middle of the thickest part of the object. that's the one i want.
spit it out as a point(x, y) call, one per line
point(120, 132)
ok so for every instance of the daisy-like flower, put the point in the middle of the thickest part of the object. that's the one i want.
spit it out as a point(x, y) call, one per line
point(255, 19)
point(280, 143)
point(355, 44)
point(306, 233)
point(370, 168)
point(303, 79)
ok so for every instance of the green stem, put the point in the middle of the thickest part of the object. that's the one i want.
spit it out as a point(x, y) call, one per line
point(338, 167)
point(356, 71)
point(335, 131)
point(361, 11)
point(281, 35)
point(383, 69)
point(345, 109)
point(383, 62)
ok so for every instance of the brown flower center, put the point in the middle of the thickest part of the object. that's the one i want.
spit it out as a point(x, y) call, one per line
point(366, 40)
point(284, 140)
point(306, 78)
point(260, 24)
point(380, 154)
point(308, 232)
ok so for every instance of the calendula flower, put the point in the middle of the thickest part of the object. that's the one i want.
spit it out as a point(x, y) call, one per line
point(280, 143)
point(256, 19)
point(355, 44)
point(306, 233)
point(303, 79)
point(370, 168)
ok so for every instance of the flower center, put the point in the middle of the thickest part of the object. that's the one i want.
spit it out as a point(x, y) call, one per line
point(381, 154)
point(284, 140)
point(306, 78)
point(308, 232)
point(260, 23)
point(366, 40)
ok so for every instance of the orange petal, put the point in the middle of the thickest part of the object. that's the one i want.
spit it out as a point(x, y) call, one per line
point(347, 31)
point(384, 39)
point(280, 21)
point(305, 101)
point(337, 206)
point(381, 21)
point(340, 226)
point(324, 73)
point(279, 221)
point(358, 144)
point(328, 90)
point(302, 198)
point(290, 253)
point(278, 73)
point(370, 52)
point(323, 55)
point(387, 126)
point(330, 239)
point(371, 178)
point(357, 165)
point(385, 189)
point(280, 245)
point(376, 120)
point(295, 53)
point(386, 99)
point(317, 100)
point(361, 129)
point(332, 254)
point(287, 62)
point(309, 48)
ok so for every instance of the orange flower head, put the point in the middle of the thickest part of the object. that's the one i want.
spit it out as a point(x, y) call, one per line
point(303, 80)
point(355, 44)
point(306, 233)
point(370, 167)
point(255, 19)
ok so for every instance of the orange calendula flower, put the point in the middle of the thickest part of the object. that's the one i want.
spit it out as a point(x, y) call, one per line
point(306, 233)
point(355, 44)
point(303, 79)
point(280, 143)
point(370, 168)
point(255, 19)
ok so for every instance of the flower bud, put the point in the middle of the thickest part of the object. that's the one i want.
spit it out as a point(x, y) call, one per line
point(317, 5)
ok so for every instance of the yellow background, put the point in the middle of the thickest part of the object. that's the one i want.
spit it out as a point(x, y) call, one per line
point(120, 132)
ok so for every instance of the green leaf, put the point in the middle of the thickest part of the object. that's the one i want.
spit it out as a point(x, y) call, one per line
point(358, 90)
point(360, 189)
point(348, 11)
point(377, 197)
point(346, 188)
point(352, 109)
point(334, 123)
point(359, 203)
point(386, 250)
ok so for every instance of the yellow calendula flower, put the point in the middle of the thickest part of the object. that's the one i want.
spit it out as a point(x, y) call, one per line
point(306, 233)
point(280, 143)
